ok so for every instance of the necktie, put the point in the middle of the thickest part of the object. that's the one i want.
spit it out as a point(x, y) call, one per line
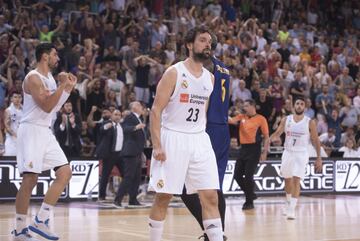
point(67, 129)
point(114, 137)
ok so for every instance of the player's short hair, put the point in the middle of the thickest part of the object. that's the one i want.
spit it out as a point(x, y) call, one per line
point(192, 33)
point(43, 48)
point(299, 98)
point(250, 102)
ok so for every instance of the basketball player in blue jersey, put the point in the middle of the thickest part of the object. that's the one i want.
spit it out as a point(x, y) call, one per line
point(218, 131)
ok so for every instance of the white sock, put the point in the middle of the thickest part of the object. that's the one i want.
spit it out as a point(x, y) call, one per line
point(20, 222)
point(44, 212)
point(156, 229)
point(288, 198)
point(293, 202)
point(213, 229)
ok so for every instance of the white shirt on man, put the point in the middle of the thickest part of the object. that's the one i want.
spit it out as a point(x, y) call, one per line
point(119, 136)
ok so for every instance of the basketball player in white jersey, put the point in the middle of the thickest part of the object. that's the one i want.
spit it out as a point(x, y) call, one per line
point(299, 130)
point(12, 118)
point(182, 151)
point(37, 148)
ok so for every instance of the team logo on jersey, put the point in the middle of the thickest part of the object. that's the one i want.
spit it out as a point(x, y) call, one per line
point(205, 89)
point(31, 165)
point(222, 70)
point(184, 98)
point(160, 183)
point(184, 84)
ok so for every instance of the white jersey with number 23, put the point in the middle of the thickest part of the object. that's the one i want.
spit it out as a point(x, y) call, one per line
point(186, 110)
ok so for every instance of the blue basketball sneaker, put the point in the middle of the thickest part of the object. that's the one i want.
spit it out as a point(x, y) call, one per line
point(42, 228)
point(22, 236)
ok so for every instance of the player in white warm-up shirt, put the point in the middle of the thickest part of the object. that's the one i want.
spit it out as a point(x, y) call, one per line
point(13, 115)
point(182, 151)
point(37, 148)
point(299, 130)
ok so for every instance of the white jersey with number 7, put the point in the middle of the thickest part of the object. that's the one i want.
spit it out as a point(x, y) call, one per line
point(297, 134)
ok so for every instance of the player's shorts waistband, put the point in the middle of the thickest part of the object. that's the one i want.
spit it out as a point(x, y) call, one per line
point(182, 132)
point(305, 150)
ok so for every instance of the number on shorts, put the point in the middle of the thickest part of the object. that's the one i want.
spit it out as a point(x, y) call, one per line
point(192, 112)
point(294, 142)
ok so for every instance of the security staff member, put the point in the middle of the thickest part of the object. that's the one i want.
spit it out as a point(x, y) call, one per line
point(252, 126)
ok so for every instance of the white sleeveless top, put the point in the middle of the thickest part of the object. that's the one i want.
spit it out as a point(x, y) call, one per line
point(186, 110)
point(297, 134)
point(32, 113)
point(15, 117)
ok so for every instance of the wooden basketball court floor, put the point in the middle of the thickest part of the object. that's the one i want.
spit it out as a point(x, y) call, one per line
point(323, 217)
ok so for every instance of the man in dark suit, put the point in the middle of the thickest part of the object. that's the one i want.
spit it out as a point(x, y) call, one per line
point(67, 129)
point(111, 138)
point(134, 141)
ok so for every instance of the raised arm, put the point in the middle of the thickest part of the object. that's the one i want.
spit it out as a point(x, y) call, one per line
point(90, 118)
point(164, 91)
point(150, 60)
point(60, 24)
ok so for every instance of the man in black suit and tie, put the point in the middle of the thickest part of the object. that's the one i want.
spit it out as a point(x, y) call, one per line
point(134, 141)
point(111, 138)
point(67, 128)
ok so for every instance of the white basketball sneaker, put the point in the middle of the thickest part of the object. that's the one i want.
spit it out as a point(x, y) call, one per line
point(23, 236)
point(291, 214)
point(42, 228)
point(285, 208)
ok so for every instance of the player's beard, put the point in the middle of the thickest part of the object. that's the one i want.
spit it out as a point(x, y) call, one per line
point(299, 112)
point(202, 56)
point(52, 67)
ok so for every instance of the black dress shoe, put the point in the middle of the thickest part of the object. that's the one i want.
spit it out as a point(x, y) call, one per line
point(248, 206)
point(135, 203)
point(117, 204)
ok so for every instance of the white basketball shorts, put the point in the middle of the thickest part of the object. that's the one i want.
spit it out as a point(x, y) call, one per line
point(38, 149)
point(10, 146)
point(190, 160)
point(293, 164)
